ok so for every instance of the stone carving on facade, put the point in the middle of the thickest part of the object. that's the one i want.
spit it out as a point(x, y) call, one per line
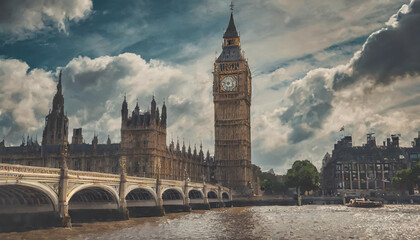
point(53, 185)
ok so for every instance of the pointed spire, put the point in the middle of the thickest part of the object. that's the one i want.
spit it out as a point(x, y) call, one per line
point(189, 149)
point(183, 146)
point(163, 115)
point(95, 140)
point(172, 145)
point(58, 100)
point(201, 153)
point(157, 115)
point(125, 101)
point(124, 109)
point(177, 144)
point(108, 141)
point(231, 29)
point(153, 105)
point(137, 109)
point(59, 87)
point(208, 155)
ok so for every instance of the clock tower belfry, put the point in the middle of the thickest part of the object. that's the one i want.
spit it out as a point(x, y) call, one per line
point(232, 116)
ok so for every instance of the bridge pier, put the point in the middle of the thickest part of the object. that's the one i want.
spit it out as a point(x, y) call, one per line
point(203, 203)
point(229, 203)
point(206, 204)
point(65, 220)
point(187, 206)
point(159, 210)
point(123, 211)
point(219, 196)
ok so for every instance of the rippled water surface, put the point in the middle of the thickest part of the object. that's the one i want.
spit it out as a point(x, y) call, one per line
point(269, 222)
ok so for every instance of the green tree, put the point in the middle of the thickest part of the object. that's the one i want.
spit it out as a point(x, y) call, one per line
point(303, 176)
point(407, 179)
point(267, 181)
point(279, 187)
point(415, 172)
point(270, 184)
point(402, 180)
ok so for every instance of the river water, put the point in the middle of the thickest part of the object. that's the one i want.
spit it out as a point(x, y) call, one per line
point(267, 222)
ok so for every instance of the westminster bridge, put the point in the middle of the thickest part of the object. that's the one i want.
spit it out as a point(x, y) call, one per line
point(39, 196)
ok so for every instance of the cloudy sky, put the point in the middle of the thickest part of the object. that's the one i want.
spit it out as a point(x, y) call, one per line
point(316, 65)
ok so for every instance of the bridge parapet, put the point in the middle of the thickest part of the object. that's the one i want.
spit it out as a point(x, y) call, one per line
point(94, 175)
point(146, 181)
point(4, 167)
point(195, 185)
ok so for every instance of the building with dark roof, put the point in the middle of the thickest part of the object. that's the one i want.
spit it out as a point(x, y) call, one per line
point(367, 168)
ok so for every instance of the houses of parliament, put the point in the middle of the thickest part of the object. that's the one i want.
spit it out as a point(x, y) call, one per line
point(144, 137)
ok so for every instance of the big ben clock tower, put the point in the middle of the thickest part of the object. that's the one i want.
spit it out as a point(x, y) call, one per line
point(232, 122)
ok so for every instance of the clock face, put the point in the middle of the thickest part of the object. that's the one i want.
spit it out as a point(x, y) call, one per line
point(228, 83)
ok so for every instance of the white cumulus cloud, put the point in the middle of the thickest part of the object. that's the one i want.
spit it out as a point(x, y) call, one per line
point(20, 19)
point(25, 96)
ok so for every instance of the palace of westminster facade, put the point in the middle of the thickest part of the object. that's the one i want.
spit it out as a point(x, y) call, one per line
point(143, 135)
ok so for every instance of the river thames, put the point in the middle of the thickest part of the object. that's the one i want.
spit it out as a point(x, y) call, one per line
point(267, 222)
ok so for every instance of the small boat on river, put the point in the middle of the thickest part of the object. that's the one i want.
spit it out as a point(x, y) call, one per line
point(363, 203)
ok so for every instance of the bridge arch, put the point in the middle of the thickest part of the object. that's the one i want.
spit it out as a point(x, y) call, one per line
point(29, 192)
point(93, 201)
point(146, 188)
point(140, 196)
point(104, 190)
point(195, 194)
point(173, 196)
point(211, 195)
point(225, 196)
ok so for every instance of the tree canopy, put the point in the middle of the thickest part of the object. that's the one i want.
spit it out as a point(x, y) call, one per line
point(270, 183)
point(407, 179)
point(303, 176)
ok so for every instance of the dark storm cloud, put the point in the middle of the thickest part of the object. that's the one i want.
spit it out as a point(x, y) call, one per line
point(387, 55)
point(310, 105)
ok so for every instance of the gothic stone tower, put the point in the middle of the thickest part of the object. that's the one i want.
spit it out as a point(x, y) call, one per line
point(143, 139)
point(232, 103)
point(56, 122)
